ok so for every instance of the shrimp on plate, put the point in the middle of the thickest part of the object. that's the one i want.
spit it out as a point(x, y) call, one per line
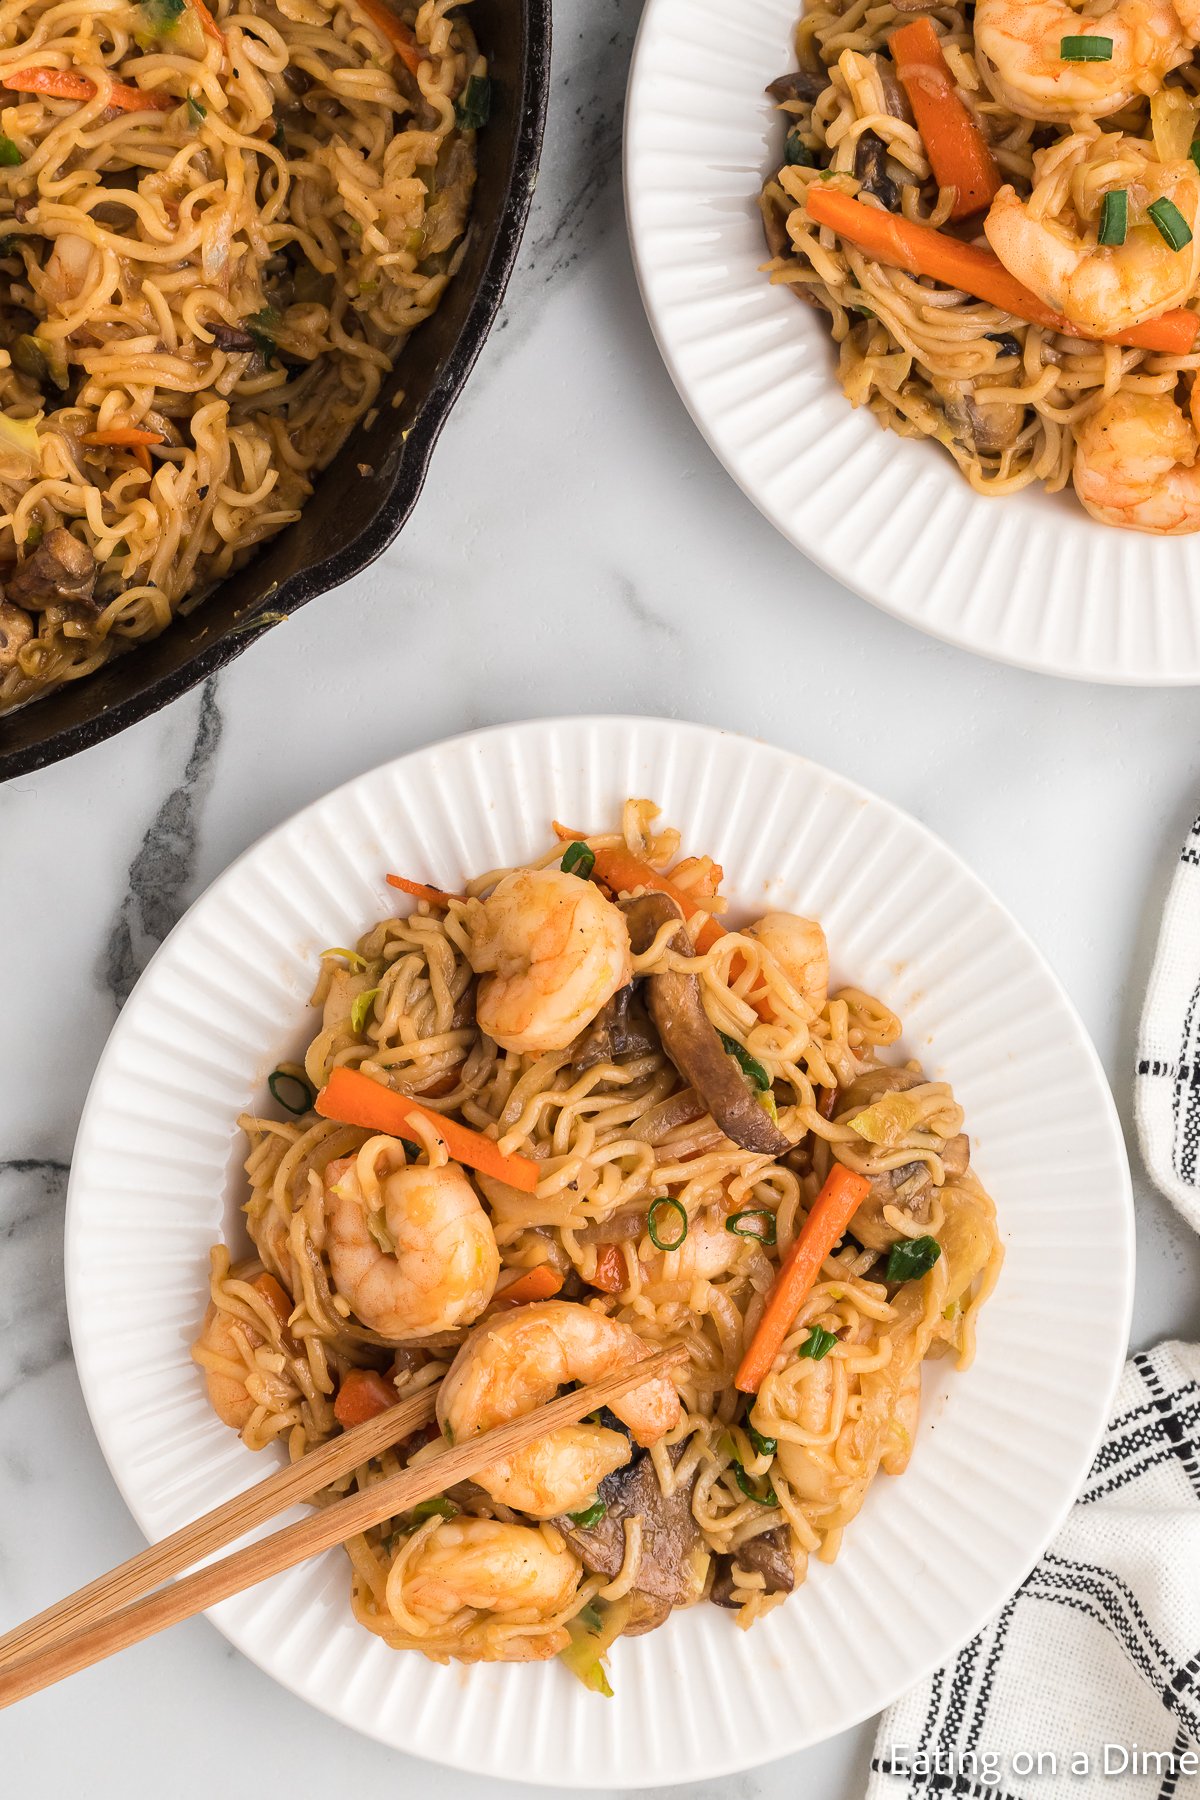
point(411, 1249)
point(509, 1366)
point(484, 1566)
point(551, 950)
point(1136, 463)
point(798, 947)
point(1019, 45)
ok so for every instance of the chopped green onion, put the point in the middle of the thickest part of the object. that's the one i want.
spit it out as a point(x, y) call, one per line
point(591, 1515)
point(818, 1343)
point(197, 112)
point(475, 107)
point(912, 1258)
point(263, 326)
point(1114, 217)
point(437, 1508)
point(735, 1223)
point(796, 153)
point(745, 1062)
point(30, 358)
point(298, 1085)
point(867, 312)
point(652, 1222)
point(411, 1150)
point(361, 1008)
point(1170, 223)
point(762, 1446)
point(767, 1497)
point(1194, 152)
point(10, 156)
point(34, 535)
point(1092, 48)
point(578, 859)
point(356, 961)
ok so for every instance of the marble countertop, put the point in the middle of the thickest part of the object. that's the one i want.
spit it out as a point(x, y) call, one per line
point(577, 549)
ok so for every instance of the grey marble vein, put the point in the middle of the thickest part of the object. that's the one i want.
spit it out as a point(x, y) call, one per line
point(33, 1312)
point(161, 874)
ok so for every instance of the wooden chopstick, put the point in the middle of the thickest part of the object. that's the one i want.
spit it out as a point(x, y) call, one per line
point(296, 1543)
point(232, 1519)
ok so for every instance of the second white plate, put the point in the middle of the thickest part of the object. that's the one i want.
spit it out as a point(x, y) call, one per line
point(1002, 1448)
point(1030, 579)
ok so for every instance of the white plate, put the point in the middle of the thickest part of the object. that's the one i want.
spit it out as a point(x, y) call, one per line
point(1030, 579)
point(156, 1177)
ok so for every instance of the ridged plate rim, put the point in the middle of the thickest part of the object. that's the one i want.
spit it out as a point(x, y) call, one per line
point(696, 1699)
point(1030, 579)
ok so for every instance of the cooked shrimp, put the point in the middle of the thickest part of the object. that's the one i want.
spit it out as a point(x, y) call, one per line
point(1018, 44)
point(798, 946)
point(511, 1364)
point(440, 1265)
point(1049, 241)
point(225, 1351)
point(1136, 463)
point(513, 1571)
point(551, 950)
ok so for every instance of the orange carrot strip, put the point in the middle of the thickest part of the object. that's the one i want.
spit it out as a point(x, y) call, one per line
point(832, 1210)
point(419, 891)
point(363, 1395)
point(127, 436)
point(208, 24)
point(62, 84)
point(923, 251)
point(355, 1099)
point(398, 34)
point(610, 1276)
point(955, 145)
point(541, 1283)
point(623, 872)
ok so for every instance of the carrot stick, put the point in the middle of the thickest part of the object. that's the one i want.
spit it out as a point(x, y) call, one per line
point(419, 891)
point(923, 251)
point(63, 84)
point(398, 34)
point(541, 1283)
point(610, 1276)
point(355, 1099)
point(363, 1395)
point(123, 436)
point(208, 24)
point(832, 1210)
point(956, 147)
point(620, 870)
point(141, 457)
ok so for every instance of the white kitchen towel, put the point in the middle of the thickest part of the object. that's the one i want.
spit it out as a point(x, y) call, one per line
point(1167, 1083)
point(1087, 1682)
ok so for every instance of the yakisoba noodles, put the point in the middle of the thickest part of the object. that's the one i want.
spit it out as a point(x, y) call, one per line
point(218, 224)
point(998, 206)
point(656, 1125)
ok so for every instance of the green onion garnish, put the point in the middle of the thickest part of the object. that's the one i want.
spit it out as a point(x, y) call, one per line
point(262, 327)
point(589, 1617)
point(746, 1063)
point(10, 156)
point(439, 1507)
point(796, 152)
point(1114, 217)
point(356, 961)
point(738, 1223)
point(1170, 223)
point(475, 108)
point(298, 1086)
point(762, 1446)
point(1194, 151)
point(591, 1515)
point(912, 1258)
point(1086, 49)
point(768, 1495)
point(655, 1213)
point(818, 1343)
point(361, 1008)
point(411, 1150)
point(34, 535)
point(578, 859)
point(197, 112)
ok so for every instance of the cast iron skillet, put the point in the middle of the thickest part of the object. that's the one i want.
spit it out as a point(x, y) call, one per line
point(351, 518)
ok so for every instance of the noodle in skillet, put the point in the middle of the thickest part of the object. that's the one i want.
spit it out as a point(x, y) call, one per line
point(1092, 205)
point(652, 1105)
point(217, 228)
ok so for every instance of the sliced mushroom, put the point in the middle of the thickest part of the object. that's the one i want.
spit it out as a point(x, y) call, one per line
point(768, 1555)
point(622, 1027)
point(668, 1569)
point(986, 426)
point(689, 1037)
point(233, 338)
point(16, 630)
point(62, 570)
point(870, 165)
point(800, 84)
